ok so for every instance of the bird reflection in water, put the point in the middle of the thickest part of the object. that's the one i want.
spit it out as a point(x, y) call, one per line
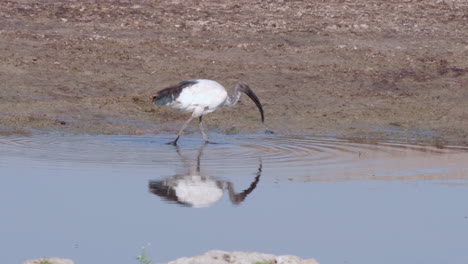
point(195, 189)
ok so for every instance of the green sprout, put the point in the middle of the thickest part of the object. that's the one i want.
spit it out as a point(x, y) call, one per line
point(143, 257)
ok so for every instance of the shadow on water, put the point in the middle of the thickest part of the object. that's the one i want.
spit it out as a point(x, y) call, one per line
point(197, 189)
point(334, 200)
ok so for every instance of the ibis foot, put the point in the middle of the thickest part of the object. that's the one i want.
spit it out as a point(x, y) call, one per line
point(173, 143)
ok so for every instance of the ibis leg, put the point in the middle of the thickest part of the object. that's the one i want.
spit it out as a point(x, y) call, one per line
point(174, 142)
point(200, 124)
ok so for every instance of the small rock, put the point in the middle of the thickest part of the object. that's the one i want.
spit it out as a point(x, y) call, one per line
point(288, 259)
point(49, 260)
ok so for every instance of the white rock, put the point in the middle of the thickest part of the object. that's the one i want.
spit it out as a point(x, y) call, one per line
point(223, 257)
point(288, 259)
point(49, 260)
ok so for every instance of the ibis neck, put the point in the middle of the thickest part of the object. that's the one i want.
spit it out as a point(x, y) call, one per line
point(233, 98)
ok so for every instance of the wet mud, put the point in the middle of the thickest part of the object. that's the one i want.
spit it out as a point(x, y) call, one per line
point(362, 69)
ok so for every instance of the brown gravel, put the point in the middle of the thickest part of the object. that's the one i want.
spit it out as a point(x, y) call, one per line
point(365, 69)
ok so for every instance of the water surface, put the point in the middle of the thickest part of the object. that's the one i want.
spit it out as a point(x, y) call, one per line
point(99, 199)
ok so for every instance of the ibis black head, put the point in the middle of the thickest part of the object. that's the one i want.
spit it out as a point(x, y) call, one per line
point(246, 89)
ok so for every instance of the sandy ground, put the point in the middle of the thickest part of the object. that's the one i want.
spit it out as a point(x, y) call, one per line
point(365, 69)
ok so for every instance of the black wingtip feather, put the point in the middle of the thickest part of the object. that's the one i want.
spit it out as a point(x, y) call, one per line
point(169, 94)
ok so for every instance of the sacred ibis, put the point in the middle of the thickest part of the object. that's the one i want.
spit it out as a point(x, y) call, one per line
point(201, 97)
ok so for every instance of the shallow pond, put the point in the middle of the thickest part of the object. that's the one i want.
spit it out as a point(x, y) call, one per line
point(100, 199)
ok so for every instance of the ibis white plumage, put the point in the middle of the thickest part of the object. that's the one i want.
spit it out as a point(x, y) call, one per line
point(201, 97)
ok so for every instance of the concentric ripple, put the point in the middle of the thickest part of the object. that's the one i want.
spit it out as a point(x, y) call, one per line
point(295, 158)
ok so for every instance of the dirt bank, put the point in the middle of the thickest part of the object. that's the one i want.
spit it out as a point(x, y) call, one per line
point(372, 69)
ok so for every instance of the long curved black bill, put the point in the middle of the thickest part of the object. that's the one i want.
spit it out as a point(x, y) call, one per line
point(246, 89)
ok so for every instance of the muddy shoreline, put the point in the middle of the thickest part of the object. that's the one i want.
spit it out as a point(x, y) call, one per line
point(368, 70)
